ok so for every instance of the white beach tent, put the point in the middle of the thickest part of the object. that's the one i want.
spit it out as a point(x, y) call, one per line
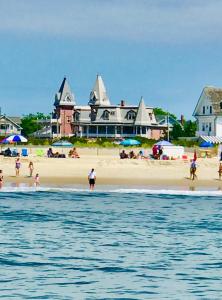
point(171, 150)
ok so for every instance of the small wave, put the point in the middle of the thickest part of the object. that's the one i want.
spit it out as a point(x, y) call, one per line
point(110, 190)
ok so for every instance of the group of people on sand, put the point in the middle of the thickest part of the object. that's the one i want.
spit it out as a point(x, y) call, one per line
point(131, 155)
point(72, 153)
point(91, 175)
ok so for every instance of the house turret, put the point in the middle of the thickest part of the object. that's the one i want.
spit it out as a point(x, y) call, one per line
point(142, 117)
point(64, 97)
point(98, 95)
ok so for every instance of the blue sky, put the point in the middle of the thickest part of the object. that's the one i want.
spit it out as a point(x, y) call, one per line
point(163, 50)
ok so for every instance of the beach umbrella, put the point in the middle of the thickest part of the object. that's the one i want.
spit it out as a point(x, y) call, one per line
point(164, 143)
point(130, 142)
point(16, 139)
point(206, 145)
point(62, 143)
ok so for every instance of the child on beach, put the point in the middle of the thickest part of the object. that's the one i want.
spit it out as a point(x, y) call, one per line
point(92, 179)
point(31, 168)
point(17, 166)
point(1, 179)
point(220, 171)
point(36, 182)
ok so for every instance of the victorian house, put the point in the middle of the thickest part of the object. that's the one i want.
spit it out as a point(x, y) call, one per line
point(100, 118)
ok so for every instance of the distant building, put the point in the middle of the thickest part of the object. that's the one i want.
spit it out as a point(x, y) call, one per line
point(208, 113)
point(10, 125)
point(99, 118)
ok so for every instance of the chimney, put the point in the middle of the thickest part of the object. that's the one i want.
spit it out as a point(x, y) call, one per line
point(182, 119)
point(122, 103)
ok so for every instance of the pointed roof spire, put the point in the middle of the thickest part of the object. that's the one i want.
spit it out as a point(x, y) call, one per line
point(98, 95)
point(64, 95)
point(142, 115)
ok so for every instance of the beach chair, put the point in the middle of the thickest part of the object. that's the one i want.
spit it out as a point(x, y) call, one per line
point(39, 152)
point(24, 152)
point(14, 153)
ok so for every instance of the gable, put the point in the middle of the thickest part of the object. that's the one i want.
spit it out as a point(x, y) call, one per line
point(203, 104)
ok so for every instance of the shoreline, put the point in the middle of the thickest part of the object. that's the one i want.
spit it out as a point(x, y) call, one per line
point(175, 184)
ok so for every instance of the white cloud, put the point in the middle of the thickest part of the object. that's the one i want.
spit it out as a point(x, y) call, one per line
point(143, 20)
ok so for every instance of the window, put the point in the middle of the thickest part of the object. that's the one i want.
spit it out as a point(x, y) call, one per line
point(151, 116)
point(204, 110)
point(110, 129)
point(210, 109)
point(112, 113)
point(105, 115)
point(76, 116)
point(131, 115)
point(220, 105)
point(127, 130)
point(209, 126)
point(143, 130)
point(203, 127)
point(118, 129)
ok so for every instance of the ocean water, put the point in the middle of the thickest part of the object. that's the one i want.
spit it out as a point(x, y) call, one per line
point(110, 244)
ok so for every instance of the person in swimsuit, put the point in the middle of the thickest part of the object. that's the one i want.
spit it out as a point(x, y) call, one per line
point(220, 171)
point(92, 179)
point(1, 179)
point(17, 166)
point(31, 168)
point(37, 183)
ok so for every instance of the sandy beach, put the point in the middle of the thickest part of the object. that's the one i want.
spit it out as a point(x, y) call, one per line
point(112, 171)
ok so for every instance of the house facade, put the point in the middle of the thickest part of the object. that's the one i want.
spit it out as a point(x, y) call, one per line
point(100, 118)
point(208, 112)
point(10, 125)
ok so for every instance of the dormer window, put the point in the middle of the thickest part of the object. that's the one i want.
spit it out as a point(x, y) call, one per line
point(131, 115)
point(203, 110)
point(105, 115)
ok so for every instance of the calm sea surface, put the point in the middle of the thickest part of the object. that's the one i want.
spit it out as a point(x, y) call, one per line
point(73, 244)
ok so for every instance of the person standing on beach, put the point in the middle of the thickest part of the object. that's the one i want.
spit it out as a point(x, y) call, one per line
point(1, 179)
point(193, 169)
point(220, 170)
point(31, 168)
point(17, 166)
point(37, 183)
point(92, 179)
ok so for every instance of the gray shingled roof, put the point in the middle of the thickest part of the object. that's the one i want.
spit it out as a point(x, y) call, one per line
point(63, 93)
point(142, 117)
point(215, 96)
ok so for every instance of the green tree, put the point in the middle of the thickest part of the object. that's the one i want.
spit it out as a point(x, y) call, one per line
point(190, 128)
point(160, 112)
point(187, 130)
point(30, 124)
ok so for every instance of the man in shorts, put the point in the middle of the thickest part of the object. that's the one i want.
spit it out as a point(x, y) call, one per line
point(92, 179)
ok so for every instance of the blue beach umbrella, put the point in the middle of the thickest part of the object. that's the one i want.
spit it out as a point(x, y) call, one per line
point(130, 142)
point(206, 145)
point(62, 143)
point(164, 143)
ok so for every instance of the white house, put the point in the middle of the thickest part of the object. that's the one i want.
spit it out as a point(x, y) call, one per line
point(10, 125)
point(208, 112)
